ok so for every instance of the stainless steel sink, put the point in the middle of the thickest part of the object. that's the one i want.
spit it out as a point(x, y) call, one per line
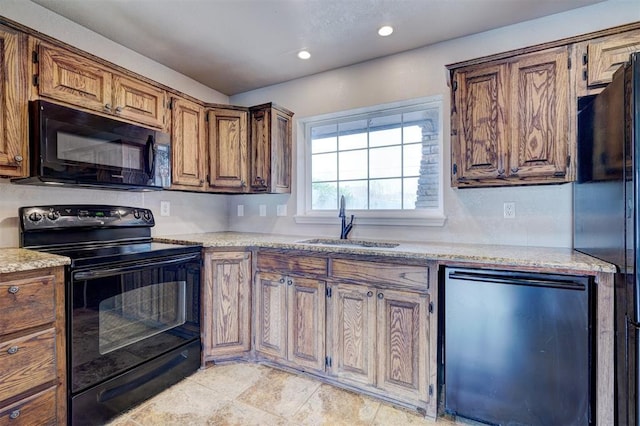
point(349, 243)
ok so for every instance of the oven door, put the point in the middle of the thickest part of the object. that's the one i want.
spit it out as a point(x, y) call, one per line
point(124, 315)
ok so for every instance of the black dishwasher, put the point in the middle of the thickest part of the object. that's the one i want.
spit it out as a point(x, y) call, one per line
point(517, 347)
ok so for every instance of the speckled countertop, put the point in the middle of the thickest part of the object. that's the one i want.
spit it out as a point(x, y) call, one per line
point(18, 260)
point(536, 257)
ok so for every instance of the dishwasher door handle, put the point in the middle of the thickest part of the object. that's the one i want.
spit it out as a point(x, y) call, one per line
point(536, 281)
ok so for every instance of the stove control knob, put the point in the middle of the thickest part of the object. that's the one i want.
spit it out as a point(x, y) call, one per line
point(53, 215)
point(136, 214)
point(147, 215)
point(35, 217)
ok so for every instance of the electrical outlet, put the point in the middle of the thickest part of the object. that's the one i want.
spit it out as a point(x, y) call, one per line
point(240, 209)
point(281, 210)
point(509, 210)
point(263, 209)
point(165, 208)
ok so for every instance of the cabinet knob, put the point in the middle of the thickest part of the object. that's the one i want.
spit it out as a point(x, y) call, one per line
point(118, 109)
point(260, 181)
point(515, 169)
point(289, 282)
point(107, 107)
point(369, 293)
point(14, 289)
point(18, 158)
point(12, 350)
point(281, 280)
point(243, 184)
point(380, 296)
point(500, 172)
point(14, 414)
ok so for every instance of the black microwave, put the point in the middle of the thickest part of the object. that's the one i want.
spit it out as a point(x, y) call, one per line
point(77, 148)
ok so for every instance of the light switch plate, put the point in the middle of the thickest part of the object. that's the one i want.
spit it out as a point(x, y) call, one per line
point(165, 208)
point(263, 209)
point(281, 210)
point(240, 209)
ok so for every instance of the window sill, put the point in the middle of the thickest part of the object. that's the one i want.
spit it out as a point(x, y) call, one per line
point(374, 219)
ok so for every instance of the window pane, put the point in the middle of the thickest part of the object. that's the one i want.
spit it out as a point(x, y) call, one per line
point(324, 167)
point(412, 158)
point(413, 123)
point(355, 194)
point(385, 162)
point(353, 165)
point(385, 194)
point(385, 130)
point(353, 135)
point(324, 196)
point(410, 188)
point(323, 138)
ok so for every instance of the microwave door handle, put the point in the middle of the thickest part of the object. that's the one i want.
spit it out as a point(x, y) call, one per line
point(150, 150)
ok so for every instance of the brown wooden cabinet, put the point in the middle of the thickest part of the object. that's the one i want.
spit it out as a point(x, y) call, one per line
point(228, 149)
point(13, 103)
point(226, 305)
point(32, 348)
point(189, 154)
point(76, 80)
point(270, 148)
point(510, 121)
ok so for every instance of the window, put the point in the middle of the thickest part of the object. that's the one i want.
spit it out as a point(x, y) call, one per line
point(386, 161)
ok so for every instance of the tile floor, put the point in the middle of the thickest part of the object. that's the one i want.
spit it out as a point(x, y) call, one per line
point(252, 394)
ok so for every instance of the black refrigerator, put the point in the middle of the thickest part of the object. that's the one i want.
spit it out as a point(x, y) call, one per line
point(607, 217)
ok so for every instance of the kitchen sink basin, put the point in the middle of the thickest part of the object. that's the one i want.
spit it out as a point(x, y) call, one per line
point(349, 243)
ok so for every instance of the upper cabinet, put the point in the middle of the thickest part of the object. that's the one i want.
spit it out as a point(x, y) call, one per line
point(270, 148)
point(189, 154)
point(73, 79)
point(599, 58)
point(228, 149)
point(13, 103)
point(510, 121)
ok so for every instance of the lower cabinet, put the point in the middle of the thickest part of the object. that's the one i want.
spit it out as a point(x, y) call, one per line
point(379, 340)
point(226, 305)
point(290, 319)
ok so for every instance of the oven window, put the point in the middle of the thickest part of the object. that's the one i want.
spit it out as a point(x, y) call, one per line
point(139, 313)
point(107, 150)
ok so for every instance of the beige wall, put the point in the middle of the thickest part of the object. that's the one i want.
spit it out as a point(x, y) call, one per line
point(543, 213)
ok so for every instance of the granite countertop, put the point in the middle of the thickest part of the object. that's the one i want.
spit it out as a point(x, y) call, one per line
point(18, 260)
point(537, 257)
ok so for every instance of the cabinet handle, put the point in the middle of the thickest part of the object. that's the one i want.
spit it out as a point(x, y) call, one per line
point(14, 414)
point(12, 350)
point(107, 107)
point(515, 169)
point(243, 184)
point(289, 282)
point(500, 172)
point(118, 109)
point(369, 293)
point(18, 158)
point(14, 289)
point(380, 296)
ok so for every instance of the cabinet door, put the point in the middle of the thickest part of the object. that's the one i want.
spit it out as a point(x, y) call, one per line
point(281, 152)
point(260, 150)
point(13, 104)
point(306, 322)
point(605, 55)
point(227, 304)
point(187, 137)
point(138, 101)
point(70, 78)
point(271, 314)
point(480, 140)
point(540, 116)
point(403, 336)
point(352, 326)
point(228, 150)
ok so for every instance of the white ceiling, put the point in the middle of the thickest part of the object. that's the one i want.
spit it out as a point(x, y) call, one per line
point(238, 45)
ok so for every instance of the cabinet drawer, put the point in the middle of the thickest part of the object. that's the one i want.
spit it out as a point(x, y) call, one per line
point(287, 263)
point(26, 303)
point(380, 272)
point(38, 409)
point(27, 362)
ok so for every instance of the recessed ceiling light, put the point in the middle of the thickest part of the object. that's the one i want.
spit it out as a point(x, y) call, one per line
point(303, 54)
point(385, 31)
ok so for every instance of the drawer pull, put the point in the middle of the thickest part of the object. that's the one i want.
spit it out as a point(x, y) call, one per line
point(14, 289)
point(12, 350)
point(14, 414)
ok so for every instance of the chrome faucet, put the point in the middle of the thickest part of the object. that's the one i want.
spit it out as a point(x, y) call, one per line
point(345, 228)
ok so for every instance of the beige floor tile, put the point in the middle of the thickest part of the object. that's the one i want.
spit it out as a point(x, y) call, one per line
point(279, 393)
point(235, 413)
point(389, 415)
point(336, 407)
point(229, 380)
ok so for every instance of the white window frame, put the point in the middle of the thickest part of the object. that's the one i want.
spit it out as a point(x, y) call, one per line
point(417, 217)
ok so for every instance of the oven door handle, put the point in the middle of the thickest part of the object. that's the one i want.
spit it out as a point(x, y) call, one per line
point(106, 272)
